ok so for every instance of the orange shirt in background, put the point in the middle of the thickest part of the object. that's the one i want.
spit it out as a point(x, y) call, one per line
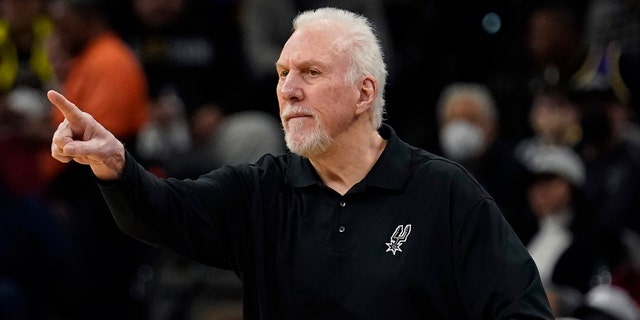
point(107, 81)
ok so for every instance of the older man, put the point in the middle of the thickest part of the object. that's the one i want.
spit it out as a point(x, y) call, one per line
point(353, 224)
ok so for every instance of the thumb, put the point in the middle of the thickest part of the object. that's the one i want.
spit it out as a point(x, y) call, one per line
point(78, 148)
point(70, 149)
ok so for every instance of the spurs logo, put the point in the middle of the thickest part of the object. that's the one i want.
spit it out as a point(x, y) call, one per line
point(398, 238)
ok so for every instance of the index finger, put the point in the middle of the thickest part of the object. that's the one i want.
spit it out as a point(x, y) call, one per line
point(69, 110)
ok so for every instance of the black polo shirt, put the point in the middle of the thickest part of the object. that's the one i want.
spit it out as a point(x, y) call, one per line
point(417, 238)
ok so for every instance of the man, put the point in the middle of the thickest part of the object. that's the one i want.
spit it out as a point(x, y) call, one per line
point(354, 224)
point(469, 133)
point(24, 32)
point(102, 74)
point(101, 65)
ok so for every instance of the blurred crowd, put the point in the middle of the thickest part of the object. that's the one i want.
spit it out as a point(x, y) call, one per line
point(539, 100)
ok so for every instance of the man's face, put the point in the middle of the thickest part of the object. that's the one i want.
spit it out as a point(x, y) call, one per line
point(316, 101)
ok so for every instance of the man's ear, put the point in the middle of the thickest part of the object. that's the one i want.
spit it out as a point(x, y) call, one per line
point(368, 91)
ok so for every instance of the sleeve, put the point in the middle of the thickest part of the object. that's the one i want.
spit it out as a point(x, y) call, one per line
point(195, 218)
point(496, 276)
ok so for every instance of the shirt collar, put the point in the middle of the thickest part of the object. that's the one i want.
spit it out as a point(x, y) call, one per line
point(391, 171)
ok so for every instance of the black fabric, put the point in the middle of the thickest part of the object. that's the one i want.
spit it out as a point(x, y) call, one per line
point(304, 251)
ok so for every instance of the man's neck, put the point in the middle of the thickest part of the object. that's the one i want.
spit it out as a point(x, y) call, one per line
point(348, 162)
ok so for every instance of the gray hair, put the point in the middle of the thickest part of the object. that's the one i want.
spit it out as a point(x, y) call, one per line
point(476, 92)
point(363, 49)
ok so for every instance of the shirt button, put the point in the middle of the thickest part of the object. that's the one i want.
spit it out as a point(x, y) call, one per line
point(342, 203)
point(341, 229)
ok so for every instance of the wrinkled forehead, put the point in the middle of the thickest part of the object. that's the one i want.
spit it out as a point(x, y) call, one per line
point(319, 41)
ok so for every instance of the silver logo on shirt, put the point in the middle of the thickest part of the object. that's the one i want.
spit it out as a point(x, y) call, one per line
point(398, 238)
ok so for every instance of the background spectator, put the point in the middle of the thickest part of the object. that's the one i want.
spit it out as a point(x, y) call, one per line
point(105, 76)
point(190, 48)
point(24, 31)
point(554, 119)
point(469, 134)
point(555, 200)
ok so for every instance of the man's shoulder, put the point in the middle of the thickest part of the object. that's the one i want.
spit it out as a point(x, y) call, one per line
point(277, 159)
point(423, 164)
point(444, 172)
point(426, 159)
point(278, 164)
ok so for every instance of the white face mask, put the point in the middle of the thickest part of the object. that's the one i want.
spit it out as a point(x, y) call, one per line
point(461, 140)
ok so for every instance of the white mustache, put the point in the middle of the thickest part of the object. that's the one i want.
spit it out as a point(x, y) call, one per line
point(295, 111)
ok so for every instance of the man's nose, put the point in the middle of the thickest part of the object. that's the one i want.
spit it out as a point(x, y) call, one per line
point(290, 88)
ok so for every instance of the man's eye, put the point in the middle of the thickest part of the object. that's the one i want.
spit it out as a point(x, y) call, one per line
point(284, 73)
point(314, 72)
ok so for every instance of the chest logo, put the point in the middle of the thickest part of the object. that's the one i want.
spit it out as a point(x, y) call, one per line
point(398, 238)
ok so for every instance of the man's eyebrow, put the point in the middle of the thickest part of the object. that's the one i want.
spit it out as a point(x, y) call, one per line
point(301, 65)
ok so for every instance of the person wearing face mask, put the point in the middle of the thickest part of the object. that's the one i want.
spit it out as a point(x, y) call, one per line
point(469, 134)
point(468, 121)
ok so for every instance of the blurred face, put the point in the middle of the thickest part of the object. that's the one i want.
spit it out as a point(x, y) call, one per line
point(465, 109)
point(549, 194)
point(317, 103)
point(204, 122)
point(554, 120)
point(19, 14)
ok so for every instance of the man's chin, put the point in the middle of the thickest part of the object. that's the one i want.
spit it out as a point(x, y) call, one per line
point(306, 148)
point(307, 142)
point(297, 145)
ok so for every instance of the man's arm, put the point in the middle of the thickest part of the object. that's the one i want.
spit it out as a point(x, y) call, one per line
point(81, 138)
point(497, 277)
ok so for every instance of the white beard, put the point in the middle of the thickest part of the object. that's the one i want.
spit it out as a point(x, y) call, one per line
point(309, 144)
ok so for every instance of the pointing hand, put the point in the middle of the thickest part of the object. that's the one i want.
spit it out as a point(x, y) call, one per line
point(82, 139)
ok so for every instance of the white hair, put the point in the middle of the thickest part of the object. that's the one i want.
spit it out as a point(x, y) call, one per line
point(363, 49)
